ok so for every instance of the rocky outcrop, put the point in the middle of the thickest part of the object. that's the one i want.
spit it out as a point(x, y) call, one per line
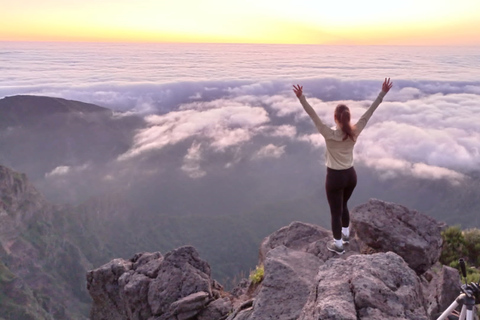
point(376, 287)
point(382, 279)
point(151, 286)
point(382, 227)
point(296, 236)
point(370, 281)
point(289, 276)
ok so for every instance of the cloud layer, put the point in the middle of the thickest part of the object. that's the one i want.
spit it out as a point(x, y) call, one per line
point(424, 130)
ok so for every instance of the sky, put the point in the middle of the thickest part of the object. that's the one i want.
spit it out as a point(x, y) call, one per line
point(367, 22)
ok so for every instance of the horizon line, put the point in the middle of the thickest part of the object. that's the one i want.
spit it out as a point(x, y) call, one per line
point(236, 43)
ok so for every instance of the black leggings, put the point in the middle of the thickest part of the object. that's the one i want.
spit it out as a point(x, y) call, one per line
point(339, 186)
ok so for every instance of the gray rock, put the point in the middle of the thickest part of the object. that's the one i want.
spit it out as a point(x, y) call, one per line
point(383, 227)
point(243, 312)
point(181, 273)
point(441, 286)
point(374, 287)
point(303, 280)
point(103, 286)
point(149, 264)
point(241, 288)
point(216, 310)
point(187, 307)
point(297, 236)
point(134, 294)
point(150, 286)
point(289, 276)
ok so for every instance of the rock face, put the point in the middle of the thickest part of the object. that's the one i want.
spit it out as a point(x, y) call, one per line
point(289, 276)
point(382, 285)
point(151, 286)
point(376, 287)
point(382, 227)
point(437, 284)
point(297, 236)
point(375, 279)
point(41, 270)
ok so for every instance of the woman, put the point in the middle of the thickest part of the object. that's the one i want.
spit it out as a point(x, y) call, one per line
point(341, 176)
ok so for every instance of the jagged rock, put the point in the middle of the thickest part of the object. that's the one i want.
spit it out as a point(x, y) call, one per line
point(241, 288)
point(150, 286)
point(217, 289)
point(181, 274)
point(287, 284)
point(441, 286)
point(243, 311)
point(148, 263)
point(302, 280)
point(134, 293)
point(187, 307)
point(216, 310)
point(297, 236)
point(383, 227)
point(304, 237)
point(104, 288)
point(375, 287)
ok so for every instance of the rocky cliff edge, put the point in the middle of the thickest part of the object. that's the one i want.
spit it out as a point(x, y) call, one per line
point(390, 271)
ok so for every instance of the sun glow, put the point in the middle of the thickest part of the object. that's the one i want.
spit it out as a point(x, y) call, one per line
point(268, 21)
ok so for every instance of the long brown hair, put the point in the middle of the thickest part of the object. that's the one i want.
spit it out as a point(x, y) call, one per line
point(342, 115)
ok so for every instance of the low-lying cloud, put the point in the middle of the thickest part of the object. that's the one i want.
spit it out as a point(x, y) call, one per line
point(425, 129)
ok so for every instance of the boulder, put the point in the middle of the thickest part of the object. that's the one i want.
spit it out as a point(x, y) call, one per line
point(151, 286)
point(441, 286)
point(103, 286)
point(297, 236)
point(181, 273)
point(216, 310)
point(375, 287)
point(187, 307)
point(134, 291)
point(381, 227)
point(289, 276)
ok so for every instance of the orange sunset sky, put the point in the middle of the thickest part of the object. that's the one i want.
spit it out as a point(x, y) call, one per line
point(372, 22)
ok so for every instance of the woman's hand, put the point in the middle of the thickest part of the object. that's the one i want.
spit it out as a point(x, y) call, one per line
point(298, 89)
point(387, 85)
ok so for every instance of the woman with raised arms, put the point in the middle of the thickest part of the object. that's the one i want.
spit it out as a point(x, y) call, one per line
point(341, 177)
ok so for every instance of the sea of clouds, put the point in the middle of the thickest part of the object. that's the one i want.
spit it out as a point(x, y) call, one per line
point(422, 129)
point(218, 103)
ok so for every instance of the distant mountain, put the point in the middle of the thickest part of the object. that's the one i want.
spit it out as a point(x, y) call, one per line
point(41, 134)
point(21, 110)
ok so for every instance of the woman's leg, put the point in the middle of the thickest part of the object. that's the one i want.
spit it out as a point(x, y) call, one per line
point(351, 177)
point(335, 194)
point(335, 201)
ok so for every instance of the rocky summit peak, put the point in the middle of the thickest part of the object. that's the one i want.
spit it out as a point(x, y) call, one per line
point(390, 271)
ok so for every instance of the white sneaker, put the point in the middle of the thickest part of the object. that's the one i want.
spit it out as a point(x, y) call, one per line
point(333, 247)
